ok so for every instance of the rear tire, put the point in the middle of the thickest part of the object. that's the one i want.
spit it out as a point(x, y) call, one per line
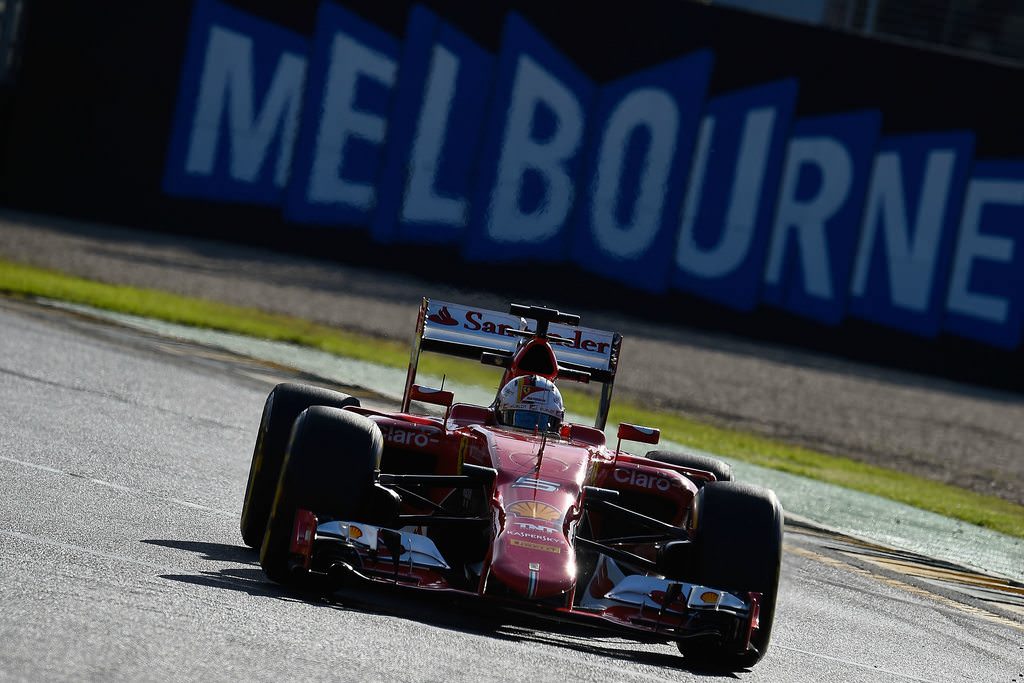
point(329, 469)
point(283, 406)
point(738, 547)
point(721, 470)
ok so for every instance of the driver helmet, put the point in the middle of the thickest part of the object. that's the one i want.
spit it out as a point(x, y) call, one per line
point(530, 402)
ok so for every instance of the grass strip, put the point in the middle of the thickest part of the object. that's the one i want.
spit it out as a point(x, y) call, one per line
point(950, 501)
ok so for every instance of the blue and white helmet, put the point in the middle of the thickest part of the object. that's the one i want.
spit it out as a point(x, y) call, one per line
point(531, 402)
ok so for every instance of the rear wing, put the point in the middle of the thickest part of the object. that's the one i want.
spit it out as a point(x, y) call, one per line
point(475, 333)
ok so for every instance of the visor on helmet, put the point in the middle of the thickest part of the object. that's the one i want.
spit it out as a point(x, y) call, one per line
point(528, 419)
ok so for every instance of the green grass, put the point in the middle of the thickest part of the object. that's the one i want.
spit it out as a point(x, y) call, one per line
point(950, 501)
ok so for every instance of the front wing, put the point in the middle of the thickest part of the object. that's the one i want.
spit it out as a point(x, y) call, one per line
point(647, 608)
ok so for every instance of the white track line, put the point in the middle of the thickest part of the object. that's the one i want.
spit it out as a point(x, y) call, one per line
point(119, 487)
point(30, 538)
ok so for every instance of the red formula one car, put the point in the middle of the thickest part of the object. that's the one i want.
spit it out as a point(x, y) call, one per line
point(510, 503)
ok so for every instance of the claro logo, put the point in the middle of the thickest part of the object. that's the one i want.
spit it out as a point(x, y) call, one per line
point(409, 437)
point(642, 480)
point(520, 156)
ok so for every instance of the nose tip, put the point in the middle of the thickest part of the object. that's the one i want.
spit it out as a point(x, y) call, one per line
point(532, 568)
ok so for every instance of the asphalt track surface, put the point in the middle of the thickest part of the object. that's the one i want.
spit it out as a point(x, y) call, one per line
point(123, 460)
point(954, 433)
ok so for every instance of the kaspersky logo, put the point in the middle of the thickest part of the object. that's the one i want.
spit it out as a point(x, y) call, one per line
point(521, 156)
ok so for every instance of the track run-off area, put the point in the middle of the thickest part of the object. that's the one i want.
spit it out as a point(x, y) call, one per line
point(122, 469)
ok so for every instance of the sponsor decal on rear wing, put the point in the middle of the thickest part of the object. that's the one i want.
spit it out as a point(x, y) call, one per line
point(484, 330)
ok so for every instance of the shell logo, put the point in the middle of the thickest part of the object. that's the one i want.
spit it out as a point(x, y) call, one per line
point(534, 510)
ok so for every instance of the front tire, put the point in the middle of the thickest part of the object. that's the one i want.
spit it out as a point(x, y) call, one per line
point(738, 547)
point(283, 406)
point(329, 469)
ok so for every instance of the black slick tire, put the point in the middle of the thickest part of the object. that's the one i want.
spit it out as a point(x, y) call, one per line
point(738, 547)
point(282, 407)
point(329, 469)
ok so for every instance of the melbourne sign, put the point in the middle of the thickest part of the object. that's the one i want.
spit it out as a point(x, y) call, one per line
point(521, 157)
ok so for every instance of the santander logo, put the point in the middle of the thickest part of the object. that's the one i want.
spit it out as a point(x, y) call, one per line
point(443, 317)
point(489, 322)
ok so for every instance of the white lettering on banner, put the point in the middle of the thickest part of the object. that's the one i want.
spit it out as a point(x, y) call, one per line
point(974, 245)
point(647, 481)
point(227, 81)
point(350, 61)
point(422, 203)
point(911, 260)
point(520, 152)
point(808, 217)
point(654, 110)
point(738, 231)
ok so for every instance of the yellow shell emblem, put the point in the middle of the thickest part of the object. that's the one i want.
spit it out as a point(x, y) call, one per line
point(534, 510)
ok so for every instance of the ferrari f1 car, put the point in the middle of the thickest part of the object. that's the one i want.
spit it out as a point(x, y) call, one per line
point(535, 514)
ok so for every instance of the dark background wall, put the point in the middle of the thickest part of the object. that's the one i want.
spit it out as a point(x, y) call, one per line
point(87, 119)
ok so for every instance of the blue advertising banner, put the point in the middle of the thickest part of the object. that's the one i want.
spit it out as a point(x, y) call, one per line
point(433, 134)
point(643, 132)
point(906, 240)
point(238, 108)
point(531, 154)
point(522, 157)
point(818, 216)
point(348, 94)
point(986, 286)
point(727, 215)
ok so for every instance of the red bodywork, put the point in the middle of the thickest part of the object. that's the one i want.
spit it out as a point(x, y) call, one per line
point(538, 495)
point(535, 509)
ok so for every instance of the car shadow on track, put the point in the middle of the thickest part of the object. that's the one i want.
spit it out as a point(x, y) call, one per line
point(248, 578)
point(437, 610)
point(220, 552)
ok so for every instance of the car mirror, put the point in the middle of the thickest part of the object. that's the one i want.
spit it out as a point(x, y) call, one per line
point(437, 397)
point(630, 432)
